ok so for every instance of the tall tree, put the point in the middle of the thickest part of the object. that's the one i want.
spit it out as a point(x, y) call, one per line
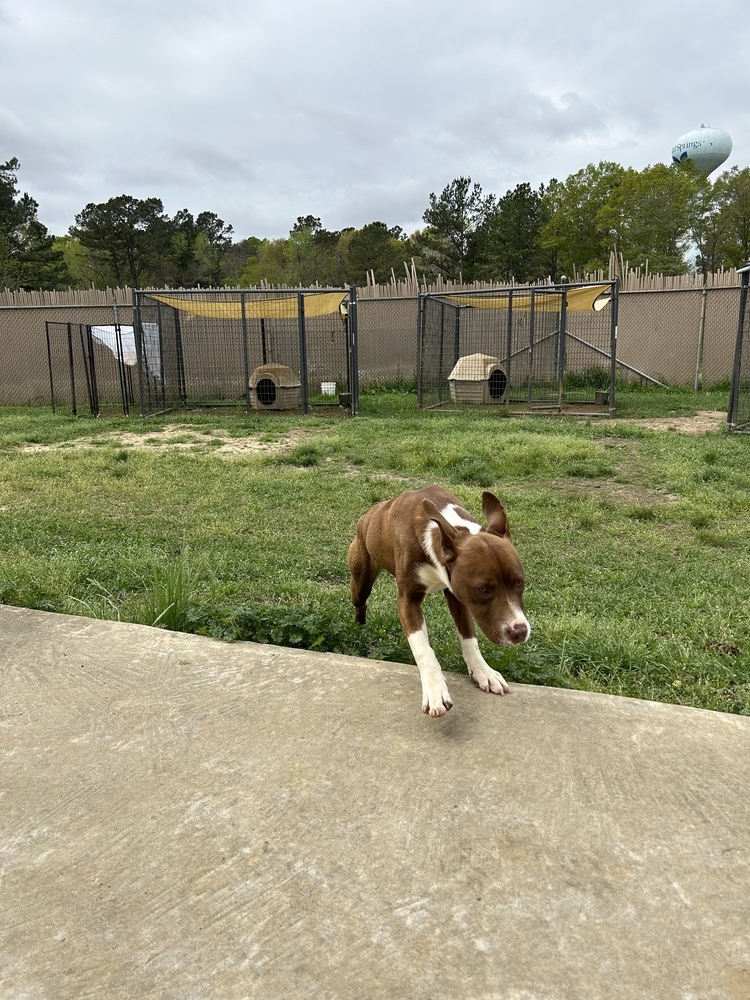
point(511, 247)
point(301, 253)
point(455, 221)
point(575, 236)
point(128, 237)
point(266, 262)
point(311, 254)
point(708, 229)
point(307, 222)
point(732, 192)
point(29, 257)
point(650, 214)
point(377, 248)
point(197, 249)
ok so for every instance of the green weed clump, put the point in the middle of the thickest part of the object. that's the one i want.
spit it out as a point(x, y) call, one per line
point(281, 625)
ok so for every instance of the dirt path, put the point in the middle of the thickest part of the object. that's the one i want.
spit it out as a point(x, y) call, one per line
point(183, 437)
point(186, 438)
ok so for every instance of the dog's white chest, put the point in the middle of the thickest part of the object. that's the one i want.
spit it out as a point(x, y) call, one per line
point(433, 578)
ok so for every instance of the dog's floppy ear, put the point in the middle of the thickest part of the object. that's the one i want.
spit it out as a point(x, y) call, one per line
point(448, 531)
point(494, 512)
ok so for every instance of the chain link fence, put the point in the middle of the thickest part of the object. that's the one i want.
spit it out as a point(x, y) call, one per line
point(678, 337)
point(275, 350)
point(387, 343)
point(681, 337)
point(25, 378)
point(543, 347)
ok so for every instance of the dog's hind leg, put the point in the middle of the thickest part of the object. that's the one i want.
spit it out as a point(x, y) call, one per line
point(364, 573)
point(480, 671)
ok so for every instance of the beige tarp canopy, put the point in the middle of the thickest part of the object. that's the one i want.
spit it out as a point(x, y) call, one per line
point(284, 307)
point(578, 300)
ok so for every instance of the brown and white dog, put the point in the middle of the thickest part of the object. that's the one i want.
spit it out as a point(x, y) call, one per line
point(428, 542)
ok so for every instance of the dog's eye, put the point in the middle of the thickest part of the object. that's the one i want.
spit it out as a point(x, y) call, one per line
point(484, 589)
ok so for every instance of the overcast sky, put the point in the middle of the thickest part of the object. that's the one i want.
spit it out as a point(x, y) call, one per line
point(264, 110)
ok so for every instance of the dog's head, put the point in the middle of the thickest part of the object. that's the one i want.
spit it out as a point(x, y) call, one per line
point(485, 572)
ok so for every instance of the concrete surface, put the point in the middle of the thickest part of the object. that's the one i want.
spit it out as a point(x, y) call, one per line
point(185, 818)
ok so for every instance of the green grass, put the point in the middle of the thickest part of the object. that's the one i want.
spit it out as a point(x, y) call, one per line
point(654, 401)
point(636, 542)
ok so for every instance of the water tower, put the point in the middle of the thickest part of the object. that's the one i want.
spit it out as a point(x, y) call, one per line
point(706, 147)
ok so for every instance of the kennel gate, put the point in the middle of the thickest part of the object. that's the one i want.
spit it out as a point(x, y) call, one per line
point(230, 347)
point(91, 365)
point(545, 347)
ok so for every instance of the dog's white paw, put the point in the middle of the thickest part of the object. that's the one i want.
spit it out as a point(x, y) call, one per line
point(436, 700)
point(489, 680)
point(480, 671)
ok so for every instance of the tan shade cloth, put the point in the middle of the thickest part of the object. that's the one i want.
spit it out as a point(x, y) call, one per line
point(284, 307)
point(578, 300)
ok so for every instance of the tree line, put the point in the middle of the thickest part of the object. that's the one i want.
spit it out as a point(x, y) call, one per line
point(670, 218)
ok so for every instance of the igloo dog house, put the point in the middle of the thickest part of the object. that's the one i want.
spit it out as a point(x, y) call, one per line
point(274, 387)
point(477, 378)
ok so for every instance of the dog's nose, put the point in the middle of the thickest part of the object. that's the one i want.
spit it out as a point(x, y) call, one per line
point(518, 631)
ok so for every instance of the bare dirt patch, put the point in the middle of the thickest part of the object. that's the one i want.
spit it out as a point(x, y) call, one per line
point(183, 437)
point(704, 422)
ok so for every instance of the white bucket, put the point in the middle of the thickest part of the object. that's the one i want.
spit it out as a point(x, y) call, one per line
point(328, 388)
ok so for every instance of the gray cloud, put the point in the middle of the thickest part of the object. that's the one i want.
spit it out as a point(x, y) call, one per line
point(263, 110)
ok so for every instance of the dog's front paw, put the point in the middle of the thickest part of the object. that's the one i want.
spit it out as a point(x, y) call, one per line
point(437, 700)
point(489, 680)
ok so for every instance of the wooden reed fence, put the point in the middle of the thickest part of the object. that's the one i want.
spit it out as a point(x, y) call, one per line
point(411, 284)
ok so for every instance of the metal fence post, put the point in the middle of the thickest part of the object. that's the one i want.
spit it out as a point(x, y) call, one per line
point(457, 337)
point(49, 362)
point(352, 333)
point(181, 379)
point(701, 338)
point(532, 324)
point(245, 357)
point(509, 346)
point(614, 307)
point(139, 352)
point(420, 349)
point(302, 349)
point(561, 349)
point(89, 362)
point(737, 366)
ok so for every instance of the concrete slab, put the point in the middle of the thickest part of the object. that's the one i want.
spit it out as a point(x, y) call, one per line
point(186, 818)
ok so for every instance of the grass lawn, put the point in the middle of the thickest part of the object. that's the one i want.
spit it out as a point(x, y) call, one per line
point(636, 541)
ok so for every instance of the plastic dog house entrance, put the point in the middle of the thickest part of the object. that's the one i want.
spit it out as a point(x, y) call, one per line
point(546, 347)
point(275, 350)
point(266, 391)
